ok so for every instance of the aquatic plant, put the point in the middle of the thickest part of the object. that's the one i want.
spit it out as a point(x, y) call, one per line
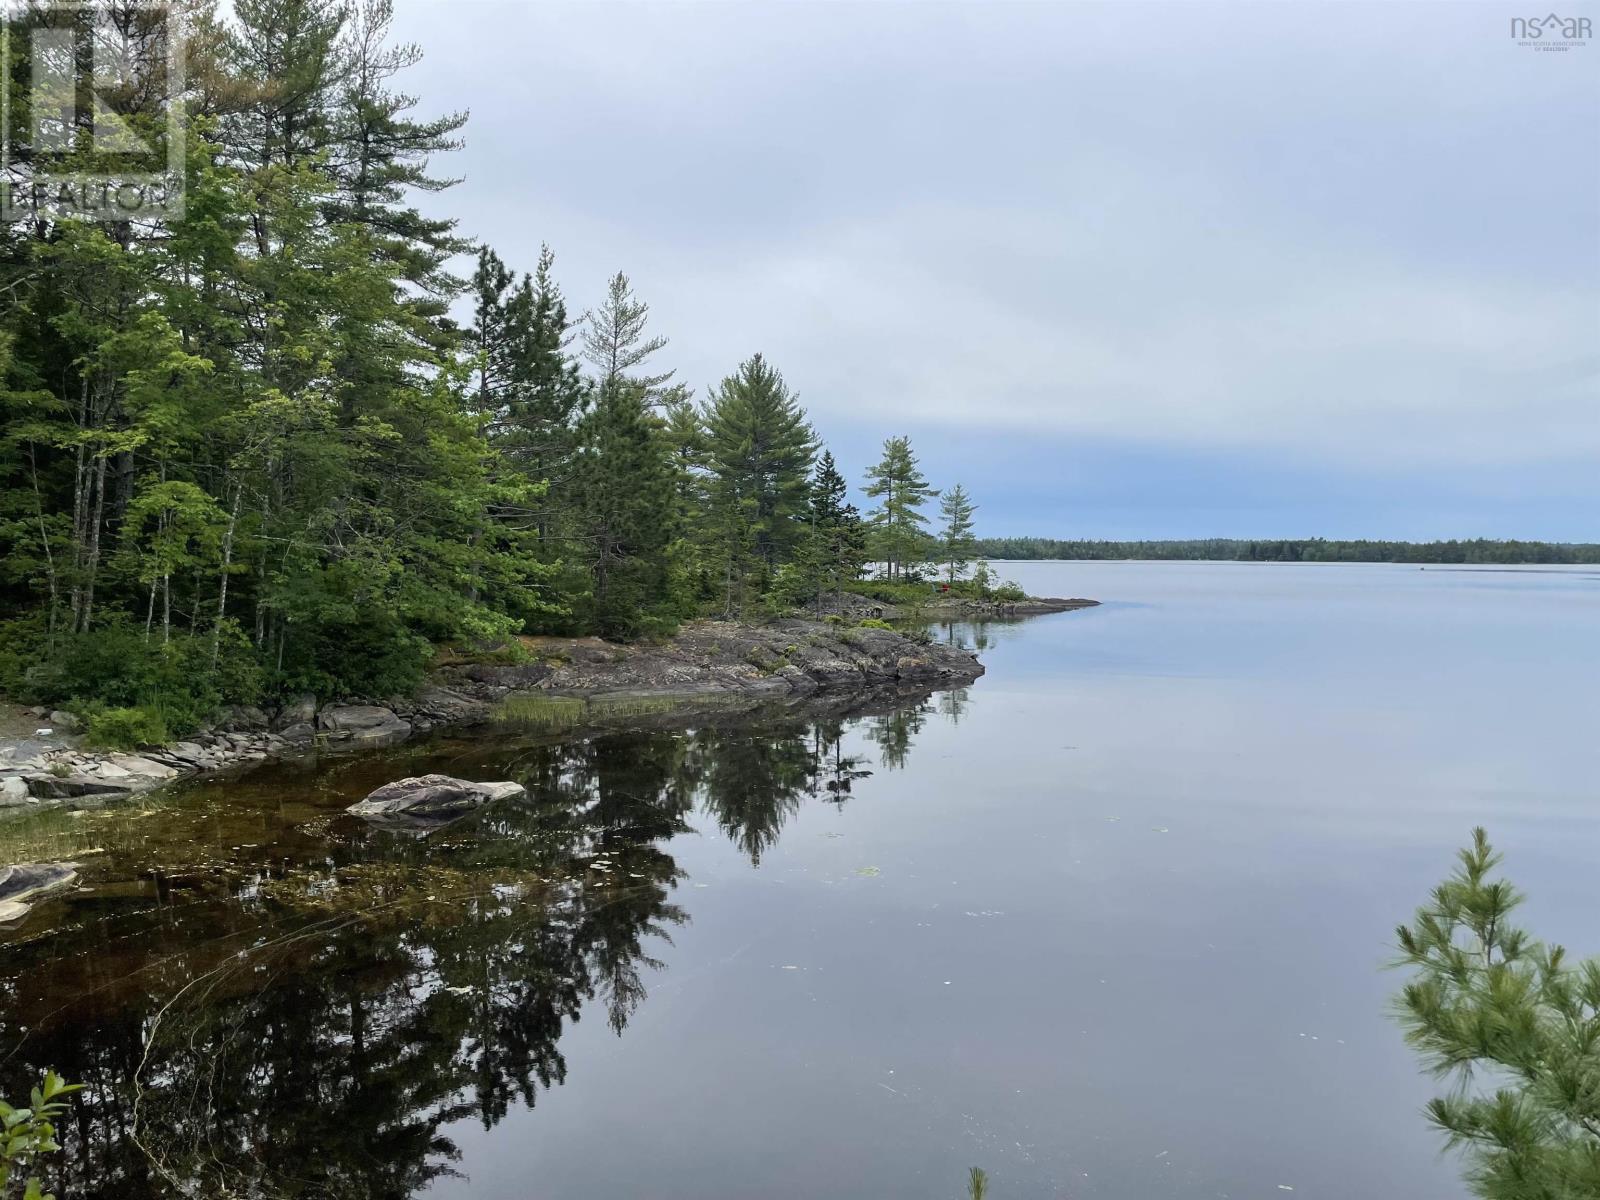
point(1488, 1002)
point(558, 713)
point(553, 712)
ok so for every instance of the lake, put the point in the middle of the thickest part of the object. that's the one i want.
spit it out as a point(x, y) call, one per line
point(1112, 922)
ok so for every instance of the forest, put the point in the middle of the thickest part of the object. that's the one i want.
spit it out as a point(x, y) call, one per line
point(1476, 550)
point(308, 433)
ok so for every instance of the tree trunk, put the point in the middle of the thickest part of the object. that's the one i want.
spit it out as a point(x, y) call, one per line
point(227, 561)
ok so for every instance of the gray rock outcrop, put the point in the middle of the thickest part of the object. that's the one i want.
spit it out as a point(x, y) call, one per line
point(431, 799)
point(362, 722)
point(25, 884)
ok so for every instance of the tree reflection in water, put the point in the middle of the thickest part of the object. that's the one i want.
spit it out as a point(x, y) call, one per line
point(307, 1014)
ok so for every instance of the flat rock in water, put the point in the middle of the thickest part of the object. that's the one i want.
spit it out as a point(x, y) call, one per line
point(22, 885)
point(431, 798)
point(69, 787)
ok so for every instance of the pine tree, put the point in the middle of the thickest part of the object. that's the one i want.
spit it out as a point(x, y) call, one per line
point(379, 161)
point(834, 546)
point(1487, 1001)
point(897, 482)
point(956, 543)
point(759, 448)
point(623, 494)
point(615, 343)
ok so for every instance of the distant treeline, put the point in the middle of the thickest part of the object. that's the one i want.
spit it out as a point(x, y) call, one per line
point(1476, 550)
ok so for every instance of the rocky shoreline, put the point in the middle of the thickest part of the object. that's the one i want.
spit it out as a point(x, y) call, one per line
point(707, 665)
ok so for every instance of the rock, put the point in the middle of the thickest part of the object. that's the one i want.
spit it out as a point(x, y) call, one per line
point(13, 791)
point(71, 787)
point(431, 799)
point(300, 711)
point(246, 717)
point(443, 704)
point(65, 722)
point(136, 765)
point(38, 710)
point(362, 722)
point(303, 733)
point(189, 752)
point(23, 885)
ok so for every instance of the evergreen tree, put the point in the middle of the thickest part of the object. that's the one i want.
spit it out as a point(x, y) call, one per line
point(1487, 1001)
point(898, 522)
point(834, 547)
point(615, 343)
point(623, 492)
point(956, 543)
point(759, 449)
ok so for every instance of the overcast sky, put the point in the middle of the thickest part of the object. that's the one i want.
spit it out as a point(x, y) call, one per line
point(1125, 269)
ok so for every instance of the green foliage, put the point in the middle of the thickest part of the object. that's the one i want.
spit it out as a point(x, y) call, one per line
point(250, 452)
point(977, 1184)
point(623, 492)
point(120, 665)
point(28, 1133)
point(1487, 1004)
point(956, 543)
point(833, 544)
point(899, 539)
point(126, 728)
point(758, 452)
point(873, 623)
point(1476, 550)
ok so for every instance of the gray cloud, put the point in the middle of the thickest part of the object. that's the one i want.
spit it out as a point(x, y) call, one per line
point(1367, 232)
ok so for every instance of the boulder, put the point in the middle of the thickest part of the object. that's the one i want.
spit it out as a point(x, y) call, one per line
point(305, 733)
point(65, 722)
point(71, 787)
point(13, 791)
point(300, 711)
point(23, 885)
point(140, 767)
point(431, 799)
point(246, 717)
point(362, 722)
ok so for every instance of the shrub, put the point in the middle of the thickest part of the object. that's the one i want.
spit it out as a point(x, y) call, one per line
point(118, 665)
point(127, 728)
point(873, 623)
point(1008, 593)
point(28, 1133)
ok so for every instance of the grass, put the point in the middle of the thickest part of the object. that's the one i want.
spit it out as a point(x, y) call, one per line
point(558, 713)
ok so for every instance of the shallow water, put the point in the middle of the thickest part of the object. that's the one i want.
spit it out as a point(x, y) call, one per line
point(1110, 923)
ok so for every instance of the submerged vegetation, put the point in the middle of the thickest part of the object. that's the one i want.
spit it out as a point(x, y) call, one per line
point(1516, 1026)
point(301, 436)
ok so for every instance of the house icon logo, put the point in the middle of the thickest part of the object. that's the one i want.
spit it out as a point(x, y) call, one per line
point(1551, 32)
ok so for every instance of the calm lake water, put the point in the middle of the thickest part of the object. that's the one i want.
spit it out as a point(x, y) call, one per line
point(1111, 923)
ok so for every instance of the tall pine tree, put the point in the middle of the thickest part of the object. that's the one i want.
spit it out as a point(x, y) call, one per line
point(897, 483)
